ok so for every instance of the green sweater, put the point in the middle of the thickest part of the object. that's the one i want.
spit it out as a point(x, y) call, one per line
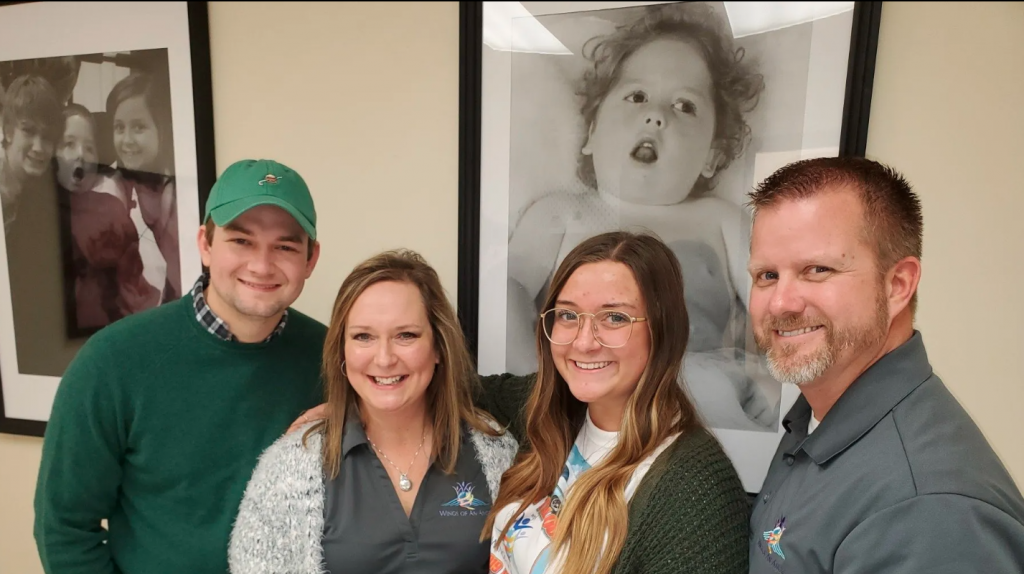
point(156, 427)
point(690, 512)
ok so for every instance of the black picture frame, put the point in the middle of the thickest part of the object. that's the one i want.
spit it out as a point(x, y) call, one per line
point(864, 32)
point(200, 179)
point(471, 18)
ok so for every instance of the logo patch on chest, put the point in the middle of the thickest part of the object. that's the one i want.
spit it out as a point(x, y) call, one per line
point(774, 538)
point(771, 547)
point(465, 502)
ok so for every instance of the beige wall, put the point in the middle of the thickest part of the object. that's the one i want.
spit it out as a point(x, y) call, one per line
point(363, 100)
point(946, 111)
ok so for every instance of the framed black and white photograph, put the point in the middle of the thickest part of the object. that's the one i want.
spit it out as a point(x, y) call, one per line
point(107, 160)
point(585, 117)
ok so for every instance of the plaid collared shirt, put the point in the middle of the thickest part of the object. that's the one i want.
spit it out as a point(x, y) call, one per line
point(215, 324)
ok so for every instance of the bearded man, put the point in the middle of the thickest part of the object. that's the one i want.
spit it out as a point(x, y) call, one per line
point(880, 469)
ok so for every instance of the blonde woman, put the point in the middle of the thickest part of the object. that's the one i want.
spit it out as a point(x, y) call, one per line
point(621, 475)
point(401, 473)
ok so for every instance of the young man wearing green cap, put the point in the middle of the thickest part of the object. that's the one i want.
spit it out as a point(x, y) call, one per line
point(159, 421)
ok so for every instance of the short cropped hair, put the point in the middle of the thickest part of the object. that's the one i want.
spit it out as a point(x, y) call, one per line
point(893, 220)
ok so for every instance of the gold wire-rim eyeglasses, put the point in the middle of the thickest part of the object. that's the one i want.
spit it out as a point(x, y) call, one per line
point(593, 325)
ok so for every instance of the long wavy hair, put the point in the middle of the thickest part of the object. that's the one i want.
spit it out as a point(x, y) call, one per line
point(657, 409)
point(450, 393)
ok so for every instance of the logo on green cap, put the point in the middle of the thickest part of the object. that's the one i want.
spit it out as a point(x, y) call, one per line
point(276, 184)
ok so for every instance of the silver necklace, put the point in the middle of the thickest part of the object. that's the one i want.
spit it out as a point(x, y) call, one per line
point(403, 479)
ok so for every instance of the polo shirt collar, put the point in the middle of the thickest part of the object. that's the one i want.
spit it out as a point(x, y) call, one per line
point(353, 434)
point(867, 401)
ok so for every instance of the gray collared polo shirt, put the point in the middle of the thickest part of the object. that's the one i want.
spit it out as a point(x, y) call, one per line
point(365, 527)
point(896, 478)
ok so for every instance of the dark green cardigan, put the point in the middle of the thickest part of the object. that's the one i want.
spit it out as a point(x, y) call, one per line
point(690, 512)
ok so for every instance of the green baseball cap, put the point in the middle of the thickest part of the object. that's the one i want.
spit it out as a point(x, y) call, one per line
point(251, 182)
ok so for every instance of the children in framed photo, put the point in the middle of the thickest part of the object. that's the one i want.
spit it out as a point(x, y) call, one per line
point(107, 156)
point(654, 116)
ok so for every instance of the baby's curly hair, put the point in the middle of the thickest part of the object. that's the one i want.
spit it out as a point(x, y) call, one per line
point(737, 84)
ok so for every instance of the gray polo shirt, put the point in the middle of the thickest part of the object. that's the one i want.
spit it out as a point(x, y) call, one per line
point(366, 530)
point(896, 478)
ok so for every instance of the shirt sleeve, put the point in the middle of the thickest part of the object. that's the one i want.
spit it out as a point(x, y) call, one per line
point(80, 471)
point(280, 520)
point(938, 534)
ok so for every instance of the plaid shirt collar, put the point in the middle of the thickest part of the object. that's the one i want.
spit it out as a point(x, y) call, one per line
point(213, 323)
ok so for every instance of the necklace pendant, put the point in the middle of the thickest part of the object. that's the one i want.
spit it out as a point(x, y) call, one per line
point(404, 483)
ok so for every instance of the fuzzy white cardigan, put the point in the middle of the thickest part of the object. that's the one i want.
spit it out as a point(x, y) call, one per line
point(280, 521)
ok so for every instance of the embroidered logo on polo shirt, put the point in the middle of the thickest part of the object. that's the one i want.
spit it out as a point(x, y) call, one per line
point(464, 499)
point(774, 538)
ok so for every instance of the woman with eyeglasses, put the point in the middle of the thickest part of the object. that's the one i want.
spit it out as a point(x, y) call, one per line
point(620, 475)
point(617, 473)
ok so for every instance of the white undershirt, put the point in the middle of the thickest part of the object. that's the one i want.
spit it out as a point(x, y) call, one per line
point(812, 424)
point(526, 547)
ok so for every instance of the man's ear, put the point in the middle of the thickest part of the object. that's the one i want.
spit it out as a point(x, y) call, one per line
point(311, 264)
point(901, 284)
point(204, 246)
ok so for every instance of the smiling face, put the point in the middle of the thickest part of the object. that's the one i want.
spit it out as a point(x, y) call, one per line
point(29, 149)
point(818, 302)
point(76, 155)
point(652, 138)
point(390, 355)
point(135, 135)
point(258, 265)
point(600, 376)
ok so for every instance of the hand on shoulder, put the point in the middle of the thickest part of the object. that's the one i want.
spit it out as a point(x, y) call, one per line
point(314, 414)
